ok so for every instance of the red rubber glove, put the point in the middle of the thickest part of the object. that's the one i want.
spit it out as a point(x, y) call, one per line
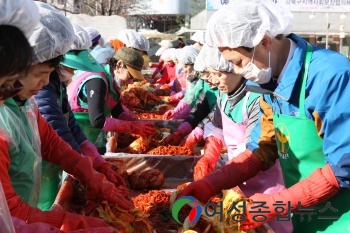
point(193, 138)
point(241, 168)
point(97, 186)
point(207, 163)
point(100, 164)
point(176, 137)
point(318, 187)
point(142, 128)
point(65, 221)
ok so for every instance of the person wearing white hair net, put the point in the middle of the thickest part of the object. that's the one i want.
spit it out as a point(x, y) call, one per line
point(164, 45)
point(186, 58)
point(168, 70)
point(54, 107)
point(235, 116)
point(303, 123)
point(17, 21)
point(199, 38)
point(28, 138)
point(95, 37)
point(200, 99)
point(140, 43)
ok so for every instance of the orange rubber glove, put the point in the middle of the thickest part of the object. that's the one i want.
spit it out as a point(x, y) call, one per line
point(207, 163)
point(318, 187)
point(97, 186)
point(241, 168)
point(142, 128)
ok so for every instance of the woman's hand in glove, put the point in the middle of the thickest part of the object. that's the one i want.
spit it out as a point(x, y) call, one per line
point(207, 163)
point(143, 128)
point(100, 164)
point(97, 186)
point(168, 115)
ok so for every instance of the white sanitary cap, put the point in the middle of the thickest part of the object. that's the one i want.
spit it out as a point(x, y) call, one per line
point(199, 37)
point(102, 54)
point(187, 55)
point(52, 36)
point(22, 14)
point(93, 33)
point(133, 39)
point(212, 58)
point(167, 55)
point(82, 39)
point(244, 23)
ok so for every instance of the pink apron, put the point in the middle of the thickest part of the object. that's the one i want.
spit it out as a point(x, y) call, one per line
point(266, 182)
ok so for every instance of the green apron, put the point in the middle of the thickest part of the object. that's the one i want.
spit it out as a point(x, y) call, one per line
point(21, 127)
point(300, 152)
point(51, 173)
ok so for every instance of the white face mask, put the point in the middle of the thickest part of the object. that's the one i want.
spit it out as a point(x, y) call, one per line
point(117, 80)
point(65, 75)
point(253, 73)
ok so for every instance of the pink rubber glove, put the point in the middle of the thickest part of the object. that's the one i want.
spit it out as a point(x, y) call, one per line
point(100, 164)
point(318, 187)
point(127, 115)
point(183, 113)
point(193, 138)
point(171, 113)
point(175, 138)
point(168, 114)
point(176, 97)
point(97, 186)
point(38, 227)
point(207, 163)
point(241, 168)
point(141, 128)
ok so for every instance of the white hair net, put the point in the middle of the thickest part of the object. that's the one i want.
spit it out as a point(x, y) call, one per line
point(187, 55)
point(93, 33)
point(82, 39)
point(199, 37)
point(166, 44)
point(22, 14)
point(53, 35)
point(211, 57)
point(167, 55)
point(102, 54)
point(173, 54)
point(133, 39)
point(244, 23)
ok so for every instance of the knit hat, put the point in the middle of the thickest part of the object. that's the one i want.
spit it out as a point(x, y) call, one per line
point(133, 61)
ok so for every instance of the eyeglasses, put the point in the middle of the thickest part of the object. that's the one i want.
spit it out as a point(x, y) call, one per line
point(8, 92)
